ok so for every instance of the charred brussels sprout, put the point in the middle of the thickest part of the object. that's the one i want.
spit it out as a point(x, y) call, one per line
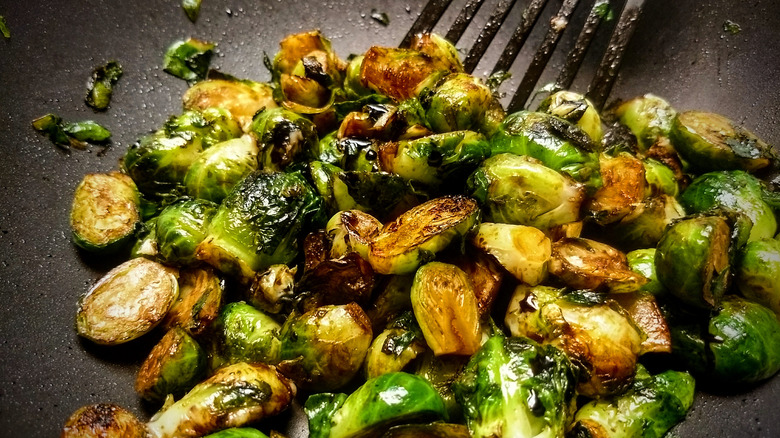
point(710, 142)
point(259, 223)
point(523, 251)
point(648, 409)
point(461, 102)
point(393, 349)
point(576, 109)
point(623, 189)
point(352, 231)
point(273, 288)
point(105, 212)
point(181, 227)
point(645, 226)
point(158, 163)
point(401, 73)
point(393, 398)
point(173, 366)
point(587, 264)
point(648, 117)
point(282, 137)
point(514, 387)
point(242, 333)
point(338, 281)
point(519, 190)
point(103, 420)
point(220, 168)
point(242, 98)
point(198, 302)
point(233, 396)
point(143, 288)
point(758, 273)
point(210, 126)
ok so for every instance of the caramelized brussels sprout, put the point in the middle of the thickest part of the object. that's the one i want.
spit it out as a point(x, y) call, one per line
point(105, 212)
point(587, 264)
point(173, 366)
point(574, 108)
point(352, 231)
point(524, 251)
point(648, 117)
point(144, 291)
point(645, 226)
point(242, 333)
point(220, 168)
point(397, 346)
point(758, 273)
point(282, 137)
point(324, 348)
point(209, 126)
point(461, 101)
point(338, 281)
point(644, 310)
point(519, 190)
point(433, 45)
point(272, 288)
point(623, 189)
point(485, 273)
point(401, 73)
point(233, 396)
point(242, 98)
point(198, 302)
point(158, 163)
point(181, 227)
point(103, 420)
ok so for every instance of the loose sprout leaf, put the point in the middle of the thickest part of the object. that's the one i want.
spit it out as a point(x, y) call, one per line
point(50, 125)
point(380, 17)
point(4, 27)
point(191, 8)
point(101, 85)
point(604, 10)
point(87, 130)
point(188, 60)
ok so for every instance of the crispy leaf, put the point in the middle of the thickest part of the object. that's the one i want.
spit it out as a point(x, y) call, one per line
point(4, 28)
point(87, 130)
point(101, 85)
point(191, 8)
point(188, 60)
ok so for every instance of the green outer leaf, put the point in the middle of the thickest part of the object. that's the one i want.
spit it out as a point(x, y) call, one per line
point(191, 8)
point(87, 130)
point(4, 27)
point(180, 229)
point(188, 60)
point(319, 409)
point(101, 84)
point(178, 369)
point(242, 333)
point(50, 125)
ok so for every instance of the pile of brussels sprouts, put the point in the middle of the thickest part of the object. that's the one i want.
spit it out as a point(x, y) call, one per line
point(378, 240)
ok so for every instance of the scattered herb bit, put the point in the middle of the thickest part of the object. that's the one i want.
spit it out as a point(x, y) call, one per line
point(380, 17)
point(604, 10)
point(4, 27)
point(731, 27)
point(75, 135)
point(188, 60)
point(87, 130)
point(191, 8)
point(101, 85)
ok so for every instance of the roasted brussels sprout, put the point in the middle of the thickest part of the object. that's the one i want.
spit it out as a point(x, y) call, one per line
point(325, 347)
point(352, 231)
point(180, 228)
point(209, 126)
point(242, 98)
point(352, 84)
point(647, 315)
point(198, 302)
point(105, 212)
point(645, 226)
point(594, 331)
point(519, 190)
point(623, 189)
point(587, 264)
point(484, 272)
point(392, 299)
point(514, 387)
point(173, 366)
point(282, 137)
point(158, 163)
point(436, 47)
point(220, 168)
point(405, 243)
point(259, 223)
point(576, 109)
point(242, 333)
point(648, 409)
point(143, 289)
point(238, 432)
point(401, 73)
point(758, 273)
point(393, 398)
point(103, 420)
point(338, 281)
point(524, 251)
point(393, 349)
point(272, 288)
point(648, 117)
point(709, 141)
point(233, 396)
point(459, 102)
point(660, 178)
point(642, 261)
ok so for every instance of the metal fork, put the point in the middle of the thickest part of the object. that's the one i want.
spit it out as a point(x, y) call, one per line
point(602, 81)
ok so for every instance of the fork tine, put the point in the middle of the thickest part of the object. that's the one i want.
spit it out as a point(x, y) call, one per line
point(605, 75)
point(577, 54)
point(462, 22)
point(557, 25)
point(487, 34)
point(427, 20)
point(530, 16)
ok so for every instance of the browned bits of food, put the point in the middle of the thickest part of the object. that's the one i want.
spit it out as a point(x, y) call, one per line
point(623, 190)
point(198, 302)
point(103, 420)
point(338, 281)
point(587, 264)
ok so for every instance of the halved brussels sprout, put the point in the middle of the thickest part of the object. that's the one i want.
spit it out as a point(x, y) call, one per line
point(129, 301)
point(324, 348)
point(524, 251)
point(338, 281)
point(594, 331)
point(272, 288)
point(400, 73)
point(158, 163)
point(397, 346)
point(587, 264)
point(282, 137)
point(181, 227)
point(643, 309)
point(242, 98)
point(198, 302)
point(709, 141)
point(209, 126)
point(645, 226)
point(642, 261)
point(233, 396)
point(416, 235)
point(445, 307)
point(173, 366)
point(758, 273)
point(435, 46)
point(575, 108)
point(649, 117)
point(461, 101)
point(219, 168)
point(486, 275)
point(242, 333)
point(351, 231)
point(623, 189)
point(105, 211)
point(103, 420)
point(514, 387)
point(519, 190)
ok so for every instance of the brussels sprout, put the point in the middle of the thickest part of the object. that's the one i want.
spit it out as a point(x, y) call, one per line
point(188, 60)
point(242, 98)
point(272, 288)
point(242, 333)
point(433, 430)
point(393, 349)
point(523, 251)
point(660, 178)
point(324, 348)
point(316, 249)
point(393, 398)
point(259, 223)
point(461, 101)
point(181, 227)
point(103, 420)
point(758, 273)
point(393, 298)
point(623, 189)
point(436, 159)
point(692, 260)
point(105, 212)
point(484, 272)
point(594, 331)
point(709, 141)
point(220, 168)
point(198, 302)
point(209, 126)
point(238, 432)
point(436, 47)
point(173, 366)
point(146, 240)
point(233, 396)
point(350, 231)
point(352, 85)
point(649, 117)
point(129, 301)
point(646, 225)
point(587, 264)
point(519, 190)
point(558, 144)
point(158, 163)
point(403, 244)
point(338, 281)
point(576, 109)
point(401, 73)
point(514, 387)
point(282, 137)
point(441, 372)
point(736, 190)
point(445, 307)
point(648, 409)
point(642, 261)
point(644, 310)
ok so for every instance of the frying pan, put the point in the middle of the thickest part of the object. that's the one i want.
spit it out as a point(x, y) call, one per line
point(680, 51)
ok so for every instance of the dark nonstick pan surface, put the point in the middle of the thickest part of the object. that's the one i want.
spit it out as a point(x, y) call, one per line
point(680, 51)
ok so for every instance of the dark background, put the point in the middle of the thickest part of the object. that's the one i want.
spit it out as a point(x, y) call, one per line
point(680, 51)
